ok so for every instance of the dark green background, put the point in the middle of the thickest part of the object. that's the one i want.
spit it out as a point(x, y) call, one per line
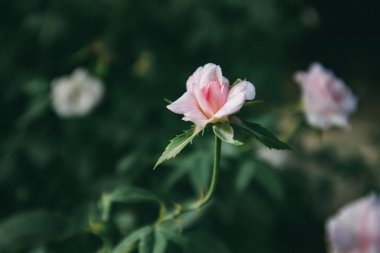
point(144, 50)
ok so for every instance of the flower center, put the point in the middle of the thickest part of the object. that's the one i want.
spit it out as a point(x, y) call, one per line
point(215, 94)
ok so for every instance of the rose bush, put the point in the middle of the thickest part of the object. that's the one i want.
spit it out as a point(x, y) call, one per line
point(209, 98)
point(327, 101)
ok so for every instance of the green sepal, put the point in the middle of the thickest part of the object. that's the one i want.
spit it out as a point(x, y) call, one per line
point(177, 144)
point(253, 102)
point(225, 132)
point(168, 101)
point(236, 82)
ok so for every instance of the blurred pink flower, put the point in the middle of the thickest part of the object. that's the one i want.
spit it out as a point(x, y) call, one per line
point(209, 99)
point(356, 228)
point(327, 101)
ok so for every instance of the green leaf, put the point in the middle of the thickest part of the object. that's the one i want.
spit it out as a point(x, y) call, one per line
point(225, 132)
point(271, 182)
point(160, 242)
point(153, 242)
point(177, 144)
point(129, 243)
point(261, 134)
point(129, 194)
point(172, 233)
point(35, 110)
point(255, 172)
point(146, 243)
point(245, 175)
point(126, 163)
point(31, 228)
point(125, 194)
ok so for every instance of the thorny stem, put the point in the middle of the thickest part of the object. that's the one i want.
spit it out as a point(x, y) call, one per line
point(204, 200)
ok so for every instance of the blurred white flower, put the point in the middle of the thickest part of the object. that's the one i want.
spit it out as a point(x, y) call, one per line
point(77, 94)
point(275, 158)
point(356, 228)
point(327, 101)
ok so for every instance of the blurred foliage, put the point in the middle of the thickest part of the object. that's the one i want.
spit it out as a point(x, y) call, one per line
point(57, 175)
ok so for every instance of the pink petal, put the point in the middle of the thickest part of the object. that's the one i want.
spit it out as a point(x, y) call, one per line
point(224, 92)
point(232, 106)
point(317, 68)
point(299, 77)
point(236, 98)
point(211, 72)
point(204, 84)
point(194, 79)
point(187, 105)
point(201, 98)
point(246, 87)
point(216, 95)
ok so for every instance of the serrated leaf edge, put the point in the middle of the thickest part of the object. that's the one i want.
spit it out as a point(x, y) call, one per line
point(166, 154)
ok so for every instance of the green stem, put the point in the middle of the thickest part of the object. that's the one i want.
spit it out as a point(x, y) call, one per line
point(204, 200)
point(215, 170)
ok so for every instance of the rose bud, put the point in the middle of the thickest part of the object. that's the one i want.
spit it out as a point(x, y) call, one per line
point(209, 98)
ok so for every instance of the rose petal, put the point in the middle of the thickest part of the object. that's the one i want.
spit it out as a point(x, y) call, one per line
point(246, 87)
point(232, 106)
point(216, 95)
point(317, 68)
point(299, 77)
point(236, 98)
point(187, 105)
point(339, 120)
point(326, 99)
point(201, 77)
point(317, 119)
point(194, 79)
point(201, 99)
point(224, 92)
point(211, 72)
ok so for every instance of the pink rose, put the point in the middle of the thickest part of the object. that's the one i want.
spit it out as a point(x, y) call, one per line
point(327, 101)
point(209, 99)
point(356, 228)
